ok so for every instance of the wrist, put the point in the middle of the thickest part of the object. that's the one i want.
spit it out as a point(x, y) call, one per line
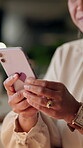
point(77, 122)
point(73, 112)
point(24, 125)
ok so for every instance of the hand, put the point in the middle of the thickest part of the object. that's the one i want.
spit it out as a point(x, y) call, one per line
point(38, 92)
point(19, 104)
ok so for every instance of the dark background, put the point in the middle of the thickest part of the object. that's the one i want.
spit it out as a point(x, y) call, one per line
point(39, 26)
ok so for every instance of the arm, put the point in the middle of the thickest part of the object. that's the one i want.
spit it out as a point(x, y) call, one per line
point(63, 68)
point(43, 134)
point(64, 105)
point(37, 136)
point(27, 115)
point(23, 127)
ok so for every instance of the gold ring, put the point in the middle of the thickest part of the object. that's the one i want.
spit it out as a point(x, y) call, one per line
point(49, 104)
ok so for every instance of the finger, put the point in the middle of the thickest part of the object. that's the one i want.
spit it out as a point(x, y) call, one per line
point(10, 93)
point(38, 99)
point(43, 91)
point(16, 98)
point(8, 83)
point(42, 101)
point(44, 83)
point(10, 80)
point(23, 105)
point(51, 112)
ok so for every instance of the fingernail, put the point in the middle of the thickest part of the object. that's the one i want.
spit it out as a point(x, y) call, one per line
point(15, 75)
point(24, 93)
point(27, 87)
point(30, 79)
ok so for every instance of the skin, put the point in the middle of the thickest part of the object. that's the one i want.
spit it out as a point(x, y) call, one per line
point(27, 114)
point(76, 12)
point(38, 92)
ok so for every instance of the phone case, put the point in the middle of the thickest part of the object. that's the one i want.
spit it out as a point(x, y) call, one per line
point(13, 61)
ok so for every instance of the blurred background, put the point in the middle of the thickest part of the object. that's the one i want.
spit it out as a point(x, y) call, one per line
point(39, 26)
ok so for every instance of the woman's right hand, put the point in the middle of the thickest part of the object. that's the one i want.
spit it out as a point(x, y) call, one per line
point(18, 103)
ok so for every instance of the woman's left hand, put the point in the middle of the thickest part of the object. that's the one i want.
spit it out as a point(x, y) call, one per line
point(63, 104)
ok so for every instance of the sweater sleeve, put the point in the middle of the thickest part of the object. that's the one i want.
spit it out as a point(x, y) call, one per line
point(38, 137)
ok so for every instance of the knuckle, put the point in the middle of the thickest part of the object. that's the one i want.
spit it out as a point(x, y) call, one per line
point(45, 84)
point(18, 94)
point(34, 81)
point(43, 101)
point(25, 104)
point(62, 86)
point(41, 90)
point(5, 83)
point(39, 107)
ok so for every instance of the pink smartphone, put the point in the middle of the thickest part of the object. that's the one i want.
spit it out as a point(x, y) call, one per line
point(14, 60)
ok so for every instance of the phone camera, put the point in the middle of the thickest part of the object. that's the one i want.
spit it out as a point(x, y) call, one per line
point(3, 60)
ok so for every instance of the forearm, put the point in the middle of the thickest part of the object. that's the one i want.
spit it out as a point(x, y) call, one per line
point(38, 136)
